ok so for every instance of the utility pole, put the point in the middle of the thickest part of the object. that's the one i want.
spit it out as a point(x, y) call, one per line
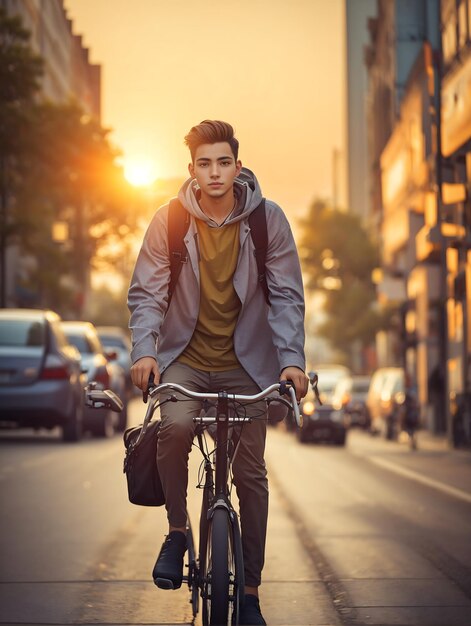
point(335, 181)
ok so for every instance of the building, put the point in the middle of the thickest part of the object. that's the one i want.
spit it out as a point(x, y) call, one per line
point(357, 14)
point(68, 75)
point(454, 223)
point(419, 114)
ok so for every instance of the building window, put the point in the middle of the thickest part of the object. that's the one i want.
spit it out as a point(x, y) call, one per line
point(449, 42)
point(463, 23)
point(449, 23)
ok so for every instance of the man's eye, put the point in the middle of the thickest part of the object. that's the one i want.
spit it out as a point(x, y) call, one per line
point(226, 163)
point(203, 164)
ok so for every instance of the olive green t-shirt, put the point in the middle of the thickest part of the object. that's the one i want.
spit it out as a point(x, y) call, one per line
point(211, 347)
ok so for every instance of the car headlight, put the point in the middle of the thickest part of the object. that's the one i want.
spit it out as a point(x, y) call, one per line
point(308, 408)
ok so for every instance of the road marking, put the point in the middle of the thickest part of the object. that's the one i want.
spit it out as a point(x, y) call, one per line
point(434, 484)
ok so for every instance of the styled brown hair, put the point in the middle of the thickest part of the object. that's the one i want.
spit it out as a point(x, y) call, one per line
point(211, 131)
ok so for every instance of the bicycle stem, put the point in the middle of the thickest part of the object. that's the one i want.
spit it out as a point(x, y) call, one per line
point(222, 433)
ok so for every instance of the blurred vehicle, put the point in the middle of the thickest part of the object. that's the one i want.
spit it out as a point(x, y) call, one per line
point(102, 368)
point(350, 397)
point(116, 339)
point(324, 423)
point(41, 382)
point(385, 398)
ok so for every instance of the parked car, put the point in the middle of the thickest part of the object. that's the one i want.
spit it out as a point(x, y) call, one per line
point(350, 397)
point(384, 400)
point(324, 422)
point(116, 339)
point(103, 369)
point(41, 383)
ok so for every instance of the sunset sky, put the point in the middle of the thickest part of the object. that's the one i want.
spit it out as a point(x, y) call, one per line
point(274, 69)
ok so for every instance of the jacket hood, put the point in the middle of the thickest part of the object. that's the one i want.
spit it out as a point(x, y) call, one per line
point(246, 189)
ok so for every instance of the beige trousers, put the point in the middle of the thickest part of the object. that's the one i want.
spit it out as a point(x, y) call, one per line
point(249, 471)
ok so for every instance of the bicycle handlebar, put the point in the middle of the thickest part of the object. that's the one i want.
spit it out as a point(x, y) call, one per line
point(283, 388)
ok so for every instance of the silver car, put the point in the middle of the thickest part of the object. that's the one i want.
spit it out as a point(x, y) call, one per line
point(102, 369)
point(116, 339)
point(41, 384)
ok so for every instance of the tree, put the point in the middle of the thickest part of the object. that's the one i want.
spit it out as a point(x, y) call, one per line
point(57, 164)
point(74, 178)
point(338, 257)
point(20, 73)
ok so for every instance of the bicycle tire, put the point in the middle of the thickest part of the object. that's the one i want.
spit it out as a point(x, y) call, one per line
point(238, 589)
point(193, 575)
point(218, 570)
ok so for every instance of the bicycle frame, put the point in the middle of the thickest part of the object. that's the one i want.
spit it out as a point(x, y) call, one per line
point(220, 583)
point(222, 435)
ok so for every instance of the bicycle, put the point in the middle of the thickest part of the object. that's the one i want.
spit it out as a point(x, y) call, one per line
point(217, 573)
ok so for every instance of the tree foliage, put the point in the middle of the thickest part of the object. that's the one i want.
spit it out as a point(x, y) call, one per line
point(338, 257)
point(57, 165)
point(20, 73)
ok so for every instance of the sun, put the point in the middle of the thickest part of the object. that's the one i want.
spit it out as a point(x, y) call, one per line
point(140, 171)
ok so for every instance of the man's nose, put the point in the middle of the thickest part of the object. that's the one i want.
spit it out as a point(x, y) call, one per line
point(214, 171)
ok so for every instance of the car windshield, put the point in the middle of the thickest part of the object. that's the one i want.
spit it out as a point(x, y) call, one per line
point(80, 342)
point(112, 341)
point(22, 333)
point(328, 388)
point(361, 387)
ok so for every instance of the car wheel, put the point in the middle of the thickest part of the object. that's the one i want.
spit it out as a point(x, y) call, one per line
point(105, 425)
point(72, 430)
point(340, 439)
point(390, 429)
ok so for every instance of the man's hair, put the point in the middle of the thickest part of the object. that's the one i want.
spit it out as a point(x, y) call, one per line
point(211, 131)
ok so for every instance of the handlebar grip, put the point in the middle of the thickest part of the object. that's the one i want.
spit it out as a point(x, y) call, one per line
point(150, 385)
point(294, 402)
point(288, 387)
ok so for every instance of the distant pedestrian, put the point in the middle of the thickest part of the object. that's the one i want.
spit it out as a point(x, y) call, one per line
point(411, 420)
point(436, 396)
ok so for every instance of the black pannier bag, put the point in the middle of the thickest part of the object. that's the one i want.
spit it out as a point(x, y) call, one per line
point(140, 465)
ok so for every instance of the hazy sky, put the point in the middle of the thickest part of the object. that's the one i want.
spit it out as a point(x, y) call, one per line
point(274, 69)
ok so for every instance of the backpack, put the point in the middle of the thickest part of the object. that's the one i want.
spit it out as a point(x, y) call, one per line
point(178, 224)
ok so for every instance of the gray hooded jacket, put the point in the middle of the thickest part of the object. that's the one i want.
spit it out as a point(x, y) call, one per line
point(266, 338)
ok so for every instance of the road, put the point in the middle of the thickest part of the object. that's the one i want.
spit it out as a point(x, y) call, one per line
point(368, 534)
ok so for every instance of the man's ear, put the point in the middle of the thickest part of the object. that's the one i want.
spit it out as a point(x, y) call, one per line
point(238, 167)
point(191, 169)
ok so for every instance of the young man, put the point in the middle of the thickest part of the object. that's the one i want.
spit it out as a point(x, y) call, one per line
point(219, 333)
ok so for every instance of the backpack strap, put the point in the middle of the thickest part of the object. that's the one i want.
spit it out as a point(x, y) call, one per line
point(258, 231)
point(178, 224)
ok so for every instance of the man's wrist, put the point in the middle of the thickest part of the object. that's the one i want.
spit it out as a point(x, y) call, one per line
point(290, 366)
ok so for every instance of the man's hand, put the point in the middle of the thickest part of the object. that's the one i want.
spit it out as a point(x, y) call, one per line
point(142, 369)
point(298, 378)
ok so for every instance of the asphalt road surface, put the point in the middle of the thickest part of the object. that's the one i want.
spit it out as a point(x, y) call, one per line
point(367, 534)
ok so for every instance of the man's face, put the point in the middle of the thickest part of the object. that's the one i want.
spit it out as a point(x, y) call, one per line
point(215, 169)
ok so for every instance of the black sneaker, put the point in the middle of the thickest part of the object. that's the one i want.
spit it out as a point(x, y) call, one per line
point(250, 614)
point(168, 569)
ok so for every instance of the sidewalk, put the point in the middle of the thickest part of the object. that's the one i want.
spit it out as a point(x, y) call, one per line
point(434, 463)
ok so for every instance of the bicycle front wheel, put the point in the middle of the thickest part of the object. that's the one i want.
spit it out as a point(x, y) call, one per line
point(220, 594)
